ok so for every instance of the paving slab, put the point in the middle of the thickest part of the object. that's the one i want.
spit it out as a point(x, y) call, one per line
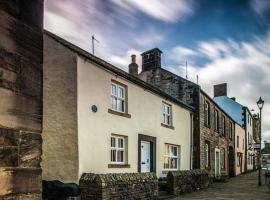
point(241, 187)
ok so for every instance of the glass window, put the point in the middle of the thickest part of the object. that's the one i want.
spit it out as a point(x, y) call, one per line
point(216, 120)
point(167, 113)
point(117, 149)
point(222, 158)
point(207, 155)
point(223, 128)
point(118, 97)
point(237, 141)
point(171, 157)
point(207, 114)
point(230, 130)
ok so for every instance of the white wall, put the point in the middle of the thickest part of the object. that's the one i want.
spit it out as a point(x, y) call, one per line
point(249, 132)
point(145, 108)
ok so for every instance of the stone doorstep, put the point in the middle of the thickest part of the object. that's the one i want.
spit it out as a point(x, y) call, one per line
point(20, 181)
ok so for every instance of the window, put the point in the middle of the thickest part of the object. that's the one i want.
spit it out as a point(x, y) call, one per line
point(216, 120)
point(167, 114)
point(243, 145)
point(237, 141)
point(222, 158)
point(207, 114)
point(117, 150)
point(239, 159)
point(118, 97)
point(230, 130)
point(223, 126)
point(171, 157)
point(207, 154)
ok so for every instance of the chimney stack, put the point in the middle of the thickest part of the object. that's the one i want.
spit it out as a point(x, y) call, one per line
point(220, 90)
point(133, 67)
point(151, 59)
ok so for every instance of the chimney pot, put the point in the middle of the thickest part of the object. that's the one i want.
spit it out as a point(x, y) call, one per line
point(133, 67)
point(133, 58)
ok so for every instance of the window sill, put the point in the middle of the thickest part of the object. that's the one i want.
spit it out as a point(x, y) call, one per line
point(167, 126)
point(119, 113)
point(118, 165)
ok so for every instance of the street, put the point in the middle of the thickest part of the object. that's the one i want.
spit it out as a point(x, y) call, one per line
point(241, 187)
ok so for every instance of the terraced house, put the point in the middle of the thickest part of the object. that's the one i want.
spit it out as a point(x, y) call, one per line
point(242, 115)
point(100, 119)
point(213, 130)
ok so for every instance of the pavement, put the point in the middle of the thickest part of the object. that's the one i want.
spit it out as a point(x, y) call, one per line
point(241, 187)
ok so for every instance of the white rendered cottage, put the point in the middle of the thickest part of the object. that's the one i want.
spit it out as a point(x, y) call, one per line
point(100, 119)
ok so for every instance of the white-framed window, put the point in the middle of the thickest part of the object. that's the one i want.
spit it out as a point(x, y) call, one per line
point(216, 120)
point(171, 157)
point(118, 97)
point(167, 114)
point(207, 155)
point(117, 149)
point(207, 114)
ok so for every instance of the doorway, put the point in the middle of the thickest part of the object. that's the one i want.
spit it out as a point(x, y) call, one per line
point(145, 156)
point(146, 153)
point(217, 163)
point(231, 161)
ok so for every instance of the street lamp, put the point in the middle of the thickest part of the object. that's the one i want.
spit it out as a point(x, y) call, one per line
point(260, 104)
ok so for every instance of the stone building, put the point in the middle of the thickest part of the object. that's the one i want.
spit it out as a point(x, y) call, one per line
point(242, 115)
point(100, 119)
point(213, 129)
point(21, 47)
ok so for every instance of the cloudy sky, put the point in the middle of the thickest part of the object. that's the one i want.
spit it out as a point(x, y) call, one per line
point(222, 40)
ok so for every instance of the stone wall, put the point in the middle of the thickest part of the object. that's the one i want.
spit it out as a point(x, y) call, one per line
point(21, 47)
point(119, 186)
point(216, 139)
point(179, 182)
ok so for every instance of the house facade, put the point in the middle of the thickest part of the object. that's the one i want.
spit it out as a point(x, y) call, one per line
point(240, 149)
point(242, 115)
point(100, 119)
point(213, 138)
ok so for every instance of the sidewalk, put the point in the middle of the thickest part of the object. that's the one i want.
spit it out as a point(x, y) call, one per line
point(240, 187)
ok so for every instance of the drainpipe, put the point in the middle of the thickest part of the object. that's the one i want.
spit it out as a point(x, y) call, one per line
point(191, 140)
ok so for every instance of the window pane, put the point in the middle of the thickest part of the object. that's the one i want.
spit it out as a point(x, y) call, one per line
point(174, 151)
point(113, 155)
point(168, 120)
point(113, 90)
point(121, 92)
point(120, 105)
point(112, 142)
point(120, 156)
point(114, 103)
point(120, 143)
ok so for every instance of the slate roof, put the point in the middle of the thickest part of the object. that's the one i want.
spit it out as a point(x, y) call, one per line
point(103, 64)
point(232, 108)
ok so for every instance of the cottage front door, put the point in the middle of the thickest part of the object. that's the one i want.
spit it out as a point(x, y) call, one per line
point(145, 156)
point(217, 163)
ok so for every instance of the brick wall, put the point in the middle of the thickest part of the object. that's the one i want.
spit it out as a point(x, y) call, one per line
point(21, 47)
point(119, 186)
